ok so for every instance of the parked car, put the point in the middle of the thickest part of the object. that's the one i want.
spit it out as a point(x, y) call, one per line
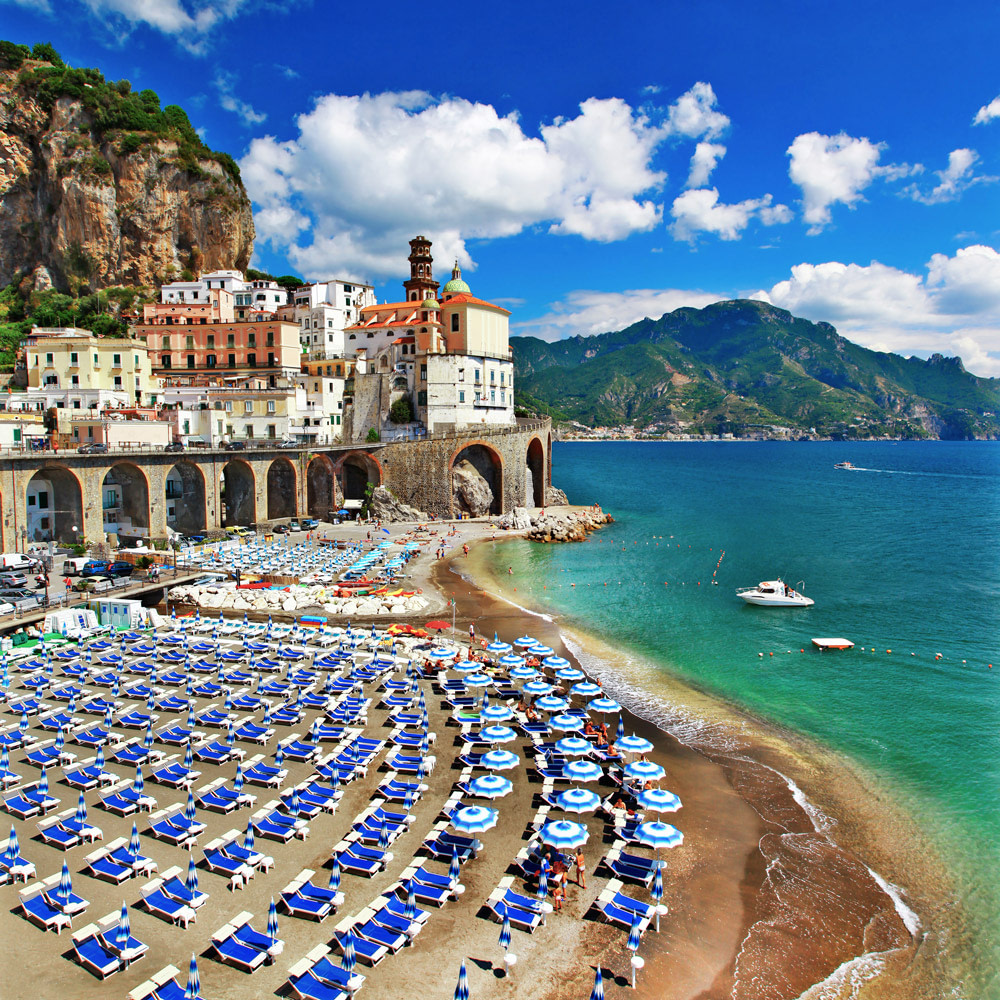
point(235, 446)
point(6, 608)
point(15, 580)
point(174, 446)
point(309, 523)
point(194, 539)
point(95, 583)
point(120, 568)
point(96, 448)
point(280, 529)
point(288, 443)
point(23, 600)
point(294, 525)
point(94, 567)
point(73, 564)
point(239, 531)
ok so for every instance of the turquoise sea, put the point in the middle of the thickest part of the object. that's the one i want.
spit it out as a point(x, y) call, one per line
point(902, 555)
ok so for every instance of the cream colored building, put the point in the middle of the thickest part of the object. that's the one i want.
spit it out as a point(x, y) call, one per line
point(72, 368)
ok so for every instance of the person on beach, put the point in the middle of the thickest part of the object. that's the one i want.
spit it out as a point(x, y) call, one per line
point(472, 632)
point(581, 869)
point(557, 897)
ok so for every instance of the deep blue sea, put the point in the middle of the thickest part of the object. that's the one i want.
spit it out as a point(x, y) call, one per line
point(902, 555)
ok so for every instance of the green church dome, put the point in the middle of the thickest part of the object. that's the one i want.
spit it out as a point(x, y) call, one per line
point(456, 286)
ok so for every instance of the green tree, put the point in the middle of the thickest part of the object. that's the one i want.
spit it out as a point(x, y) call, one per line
point(401, 412)
point(13, 55)
point(372, 434)
point(44, 52)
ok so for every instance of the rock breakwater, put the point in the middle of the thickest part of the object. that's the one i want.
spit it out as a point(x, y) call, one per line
point(568, 525)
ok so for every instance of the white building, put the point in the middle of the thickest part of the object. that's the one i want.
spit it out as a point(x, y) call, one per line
point(323, 310)
point(256, 295)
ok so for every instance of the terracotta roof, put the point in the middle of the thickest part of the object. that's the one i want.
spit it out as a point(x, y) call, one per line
point(471, 300)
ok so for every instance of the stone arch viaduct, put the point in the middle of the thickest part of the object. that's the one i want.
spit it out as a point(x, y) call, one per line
point(69, 496)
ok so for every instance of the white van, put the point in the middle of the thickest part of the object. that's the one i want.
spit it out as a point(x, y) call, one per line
point(73, 565)
point(17, 560)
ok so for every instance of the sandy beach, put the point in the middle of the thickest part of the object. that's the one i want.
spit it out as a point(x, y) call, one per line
point(766, 901)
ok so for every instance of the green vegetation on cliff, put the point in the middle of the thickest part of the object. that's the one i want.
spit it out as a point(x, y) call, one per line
point(746, 367)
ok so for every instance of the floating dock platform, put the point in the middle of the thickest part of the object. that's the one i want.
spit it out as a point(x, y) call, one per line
point(822, 644)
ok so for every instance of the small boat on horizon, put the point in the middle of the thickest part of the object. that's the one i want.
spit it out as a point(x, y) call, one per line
point(844, 465)
point(775, 594)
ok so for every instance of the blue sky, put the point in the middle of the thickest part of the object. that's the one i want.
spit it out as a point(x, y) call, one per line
point(595, 163)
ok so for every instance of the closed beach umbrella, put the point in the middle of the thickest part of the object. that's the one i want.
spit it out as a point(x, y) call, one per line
point(13, 851)
point(620, 732)
point(147, 740)
point(189, 812)
point(410, 910)
point(574, 746)
point(582, 770)
point(585, 690)
point(462, 989)
point(4, 758)
point(597, 993)
point(634, 935)
point(192, 876)
point(133, 840)
point(505, 931)
point(578, 800)
point(22, 726)
point(606, 706)
point(659, 800)
point(498, 734)
point(454, 868)
point(500, 760)
point(60, 739)
point(334, 883)
point(495, 713)
point(188, 756)
point(550, 703)
point(633, 744)
point(109, 714)
point(65, 883)
point(279, 756)
point(474, 819)
point(239, 779)
point(543, 883)
point(193, 990)
point(383, 836)
point(124, 930)
point(657, 893)
point(81, 809)
point(294, 804)
point(490, 786)
point(272, 920)
point(563, 833)
point(644, 770)
point(566, 722)
point(348, 958)
point(656, 834)
point(137, 782)
point(248, 841)
point(43, 782)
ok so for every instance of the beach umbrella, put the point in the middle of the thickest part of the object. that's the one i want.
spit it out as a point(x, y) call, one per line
point(348, 958)
point(633, 744)
point(239, 779)
point(578, 800)
point(22, 726)
point(4, 758)
point(495, 713)
point(65, 884)
point(543, 883)
point(550, 703)
point(440, 653)
point(554, 662)
point(540, 649)
point(279, 756)
point(574, 746)
point(563, 833)
point(605, 706)
point(124, 930)
point(272, 921)
point(537, 687)
point(477, 680)
point(193, 990)
point(188, 755)
point(620, 733)
point(410, 910)
point(644, 770)
point(500, 760)
point(230, 735)
point(597, 993)
point(525, 641)
point(514, 662)
point(13, 851)
point(659, 800)
point(520, 672)
point(462, 989)
point(498, 734)
point(60, 739)
point(566, 722)
point(500, 648)
point(474, 819)
point(147, 740)
point(294, 804)
point(137, 782)
point(383, 836)
point(192, 876)
point(634, 934)
point(191, 717)
point(657, 893)
point(585, 690)
point(133, 840)
point(248, 841)
point(267, 711)
point(150, 701)
point(656, 834)
point(81, 810)
point(505, 930)
point(334, 883)
point(490, 786)
point(189, 811)
point(582, 770)
point(571, 675)
point(454, 868)
point(43, 782)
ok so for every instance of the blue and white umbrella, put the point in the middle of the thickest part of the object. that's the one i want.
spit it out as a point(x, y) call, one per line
point(499, 760)
point(555, 662)
point(597, 993)
point(583, 770)
point(497, 734)
point(656, 834)
point(477, 680)
point(540, 649)
point(193, 990)
point(495, 713)
point(644, 770)
point(13, 851)
point(505, 930)
point(543, 883)
point(474, 819)
point(279, 756)
point(578, 800)
point(65, 884)
point(138, 784)
point(239, 779)
point(633, 744)
point(189, 808)
point(334, 883)
point(81, 810)
point(521, 672)
point(133, 840)
point(563, 833)
point(348, 958)
point(124, 930)
point(490, 786)
point(440, 653)
point(537, 687)
point(410, 909)
point(192, 876)
point(462, 989)
point(659, 800)
point(620, 732)
point(22, 726)
point(189, 756)
point(574, 746)
point(634, 934)
point(566, 723)
point(657, 893)
point(454, 867)
point(248, 837)
point(383, 836)
point(43, 782)
point(550, 703)
point(499, 648)
point(525, 641)
point(272, 921)
point(571, 675)
point(60, 738)
point(605, 706)
point(584, 689)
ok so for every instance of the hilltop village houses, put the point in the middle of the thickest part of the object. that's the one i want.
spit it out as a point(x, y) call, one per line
point(223, 360)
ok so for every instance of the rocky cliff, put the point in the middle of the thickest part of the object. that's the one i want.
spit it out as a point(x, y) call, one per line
point(99, 186)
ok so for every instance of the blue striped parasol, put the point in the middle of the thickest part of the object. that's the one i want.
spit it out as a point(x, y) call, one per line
point(474, 819)
point(189, 809)
point(659, 835)
point(659, 800)
point(597, 993)
point(334, 883)
point(583, 770)
point(410, 909)
point(620, 733)
point(454, 868)
point(248, 840)
point(578, 800)
point(634, 934)
point(462, 989)
point(60, 739)
point(81, 809)
point(383, 836)
point(13, 851)
point(239, 779)
point(490, 786)
point(138, 784)
point(43, 782)
point(657, 893)
point(272, 921)
point(189, 755)
point(124, 930)
point(133, 840)
point(644, 770)
point(563, 833)
point(505, 930)
point(279, 756)
point(566, 723)
point(193, 990)
point(543, 883)
point(65, 883)
point(634, 744)
point(192, 876)
point(348, 958)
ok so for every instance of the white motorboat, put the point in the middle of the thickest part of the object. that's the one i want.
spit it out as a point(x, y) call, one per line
point(775, 594)
point(845, 465)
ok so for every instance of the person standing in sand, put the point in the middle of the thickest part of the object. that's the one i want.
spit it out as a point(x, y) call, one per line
point(581, 869)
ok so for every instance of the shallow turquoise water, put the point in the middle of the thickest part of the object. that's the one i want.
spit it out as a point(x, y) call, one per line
point(903, 555)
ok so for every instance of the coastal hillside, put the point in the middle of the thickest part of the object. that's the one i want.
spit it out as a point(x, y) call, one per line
point(101, 186)
point(745, 367)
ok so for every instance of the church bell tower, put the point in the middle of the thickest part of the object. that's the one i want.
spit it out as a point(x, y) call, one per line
point(421, 284)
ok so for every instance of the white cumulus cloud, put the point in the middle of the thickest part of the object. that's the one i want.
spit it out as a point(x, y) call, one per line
point(369, 171)
point(832, 169)
point(695, 115)
point(703, 161)
point(952, 181)
point(988, 112)
point(700, 211)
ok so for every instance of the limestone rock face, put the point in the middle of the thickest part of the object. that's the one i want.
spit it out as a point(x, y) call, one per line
point(555, 497)
point(387, 508)
point(472, 493)
point(75, 207)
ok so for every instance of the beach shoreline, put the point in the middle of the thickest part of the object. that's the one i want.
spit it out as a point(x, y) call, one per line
point(806, 797)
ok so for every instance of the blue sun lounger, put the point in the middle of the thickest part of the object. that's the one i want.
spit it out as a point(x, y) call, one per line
point(331, 972)
point(356, 864)
point(266, 774)
point(39, 912)
point(306, 986)
point(519, 916)
point(174, 775)
point(106, 868)
point(369, 952)
point(379, 934)
point(59, 836)
point(22, 807)
point(166, 907)
point(92, 954)
point(176, 889)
